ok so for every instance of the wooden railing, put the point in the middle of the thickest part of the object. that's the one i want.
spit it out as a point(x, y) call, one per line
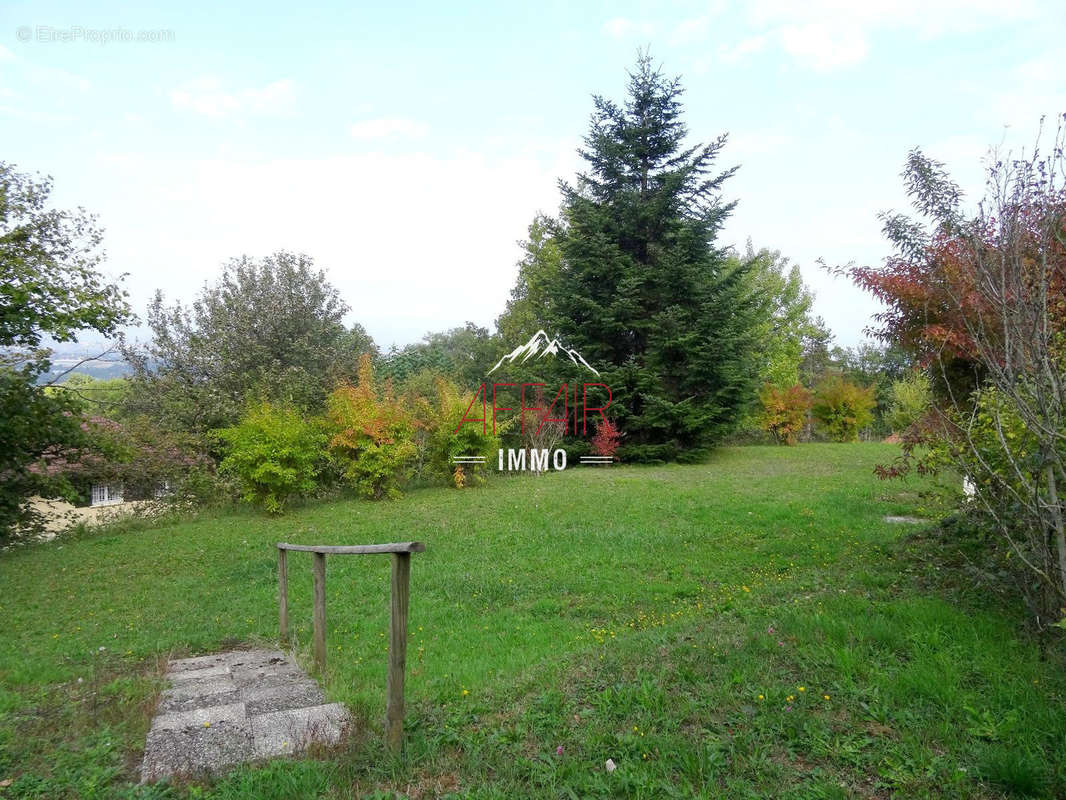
point(401, 586)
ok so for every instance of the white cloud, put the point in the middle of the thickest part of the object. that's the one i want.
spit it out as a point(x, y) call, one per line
point(623, 28)
point(272, 97)
point(929, 18)
point(745, 144)
point(824, 47)
point(1034, 88)
point(385, 127)
point(55, 77)
point(696, 28)
point(690, 30)
point(31, 115)
point(830, 34)
point(36, 74)
point(742, 49)
point(208, 97)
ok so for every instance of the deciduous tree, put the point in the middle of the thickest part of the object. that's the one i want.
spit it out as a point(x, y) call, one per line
point(980, 297)
point(462, 354)
point(50, 286)
point(528, 309)
point(784, 321)
point(270, 329)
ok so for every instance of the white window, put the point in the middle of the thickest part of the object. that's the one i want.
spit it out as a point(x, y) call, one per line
point(105, 494)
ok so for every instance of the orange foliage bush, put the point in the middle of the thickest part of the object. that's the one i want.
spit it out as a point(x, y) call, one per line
point(784, 411)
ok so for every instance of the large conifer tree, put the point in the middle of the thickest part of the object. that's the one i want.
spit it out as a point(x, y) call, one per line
point(643, 289)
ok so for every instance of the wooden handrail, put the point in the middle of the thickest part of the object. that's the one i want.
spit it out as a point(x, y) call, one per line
point(356, 549)
point(401, 577)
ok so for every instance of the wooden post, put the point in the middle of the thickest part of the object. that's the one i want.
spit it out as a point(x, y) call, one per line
point(320, 612)
point(401, 577)
point(283, 594)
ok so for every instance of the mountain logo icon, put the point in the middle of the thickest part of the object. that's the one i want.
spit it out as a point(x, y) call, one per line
point(540, 346)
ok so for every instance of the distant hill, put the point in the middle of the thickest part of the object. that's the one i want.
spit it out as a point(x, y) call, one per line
point(64, 357)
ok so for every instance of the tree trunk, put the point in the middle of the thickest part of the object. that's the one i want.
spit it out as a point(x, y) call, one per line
point(1060, 534)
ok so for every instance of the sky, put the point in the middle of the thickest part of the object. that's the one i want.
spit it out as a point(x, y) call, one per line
point(406, 146)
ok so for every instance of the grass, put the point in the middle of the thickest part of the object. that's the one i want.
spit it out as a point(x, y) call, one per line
point(748, 627)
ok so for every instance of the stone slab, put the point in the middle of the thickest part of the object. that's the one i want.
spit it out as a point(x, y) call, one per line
point(249, 679)
point(227, 708)
point(199, 662)
point(195, 750)
point(202, 687)
point(285, 732)
point(297, 694)
point(200, 717)
point(259, 658)
point(170, 703)
point(181, 676)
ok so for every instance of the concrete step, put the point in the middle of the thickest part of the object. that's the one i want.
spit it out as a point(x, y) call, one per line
point(227, 708)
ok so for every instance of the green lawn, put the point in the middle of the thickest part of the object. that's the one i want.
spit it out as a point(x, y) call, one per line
point(748, 627)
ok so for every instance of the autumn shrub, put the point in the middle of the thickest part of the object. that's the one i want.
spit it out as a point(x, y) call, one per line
point(784, 411)
point(842, 408)
point(438, 418)
point(371, 435)
point(607, 438)
point(273, 453)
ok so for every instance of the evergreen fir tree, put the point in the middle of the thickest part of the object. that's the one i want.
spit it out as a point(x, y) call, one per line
point(643, 289)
